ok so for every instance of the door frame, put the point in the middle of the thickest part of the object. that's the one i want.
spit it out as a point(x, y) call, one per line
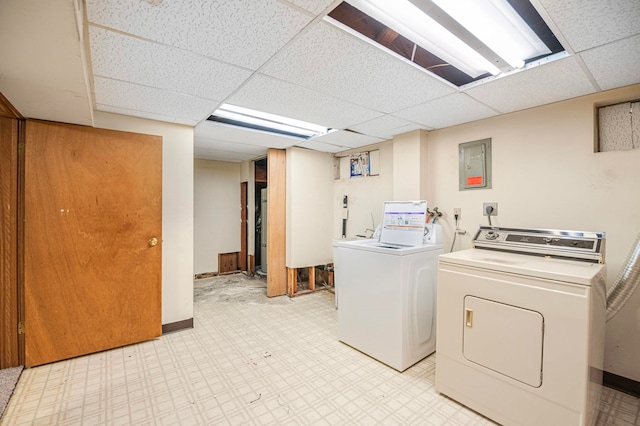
point(244, 212)
point(11, 291)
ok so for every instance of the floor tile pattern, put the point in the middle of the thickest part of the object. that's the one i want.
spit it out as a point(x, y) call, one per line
point(248, 363)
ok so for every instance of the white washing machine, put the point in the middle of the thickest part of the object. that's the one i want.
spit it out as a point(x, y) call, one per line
point(386, 291)
point(521, 323)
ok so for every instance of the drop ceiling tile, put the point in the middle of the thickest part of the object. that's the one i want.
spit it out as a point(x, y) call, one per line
point(616, 64)
point(264, 93)
point(313, 6)
point(540, 85)
point(242, 32)
point(331, 61)
point(348, 139)
point(131, 59)
point(217, 131)
point(447, 111)
point(233, 157)
point(145, 99)
point(320, 146)
point(589, 23)
point(386, 127)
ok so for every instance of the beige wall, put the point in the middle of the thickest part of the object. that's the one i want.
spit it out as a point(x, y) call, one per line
point(407, 154)
point(216, 188)
point(177, 208)
point(366, 195)
point(546, 175)
point(309, 211)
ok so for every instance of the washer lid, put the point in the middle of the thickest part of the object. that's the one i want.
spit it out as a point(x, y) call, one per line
point(563, 270)
point(379, 247)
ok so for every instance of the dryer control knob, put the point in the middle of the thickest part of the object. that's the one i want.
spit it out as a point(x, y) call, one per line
point(491, 235)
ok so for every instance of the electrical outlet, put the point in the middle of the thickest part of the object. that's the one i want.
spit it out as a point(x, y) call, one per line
point(457, 212)
point(493, 205)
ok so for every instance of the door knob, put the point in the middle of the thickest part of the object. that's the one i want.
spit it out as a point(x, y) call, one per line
point(153, 242)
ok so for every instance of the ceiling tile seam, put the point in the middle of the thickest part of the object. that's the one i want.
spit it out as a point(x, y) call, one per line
point(370, 147)
point(224, 151)
point(170, 46)
point(329, 8)
point(317, 19)
point(391, 114)
point(609, 43)
point(203, 138)
point(543, 61)
point(156, 88)
point(170, 118)
point(312, 15)
point(587, 72)
point(226, 160)
point(301, 144)
point(323, 142)
point(349, 102)
point(230, 153)
point(264, 64)
point(297, 8)
point(473, 98)
point(497, 111)
point(551, 23)
point(429, 128)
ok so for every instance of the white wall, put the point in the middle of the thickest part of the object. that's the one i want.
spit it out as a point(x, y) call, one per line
point(309, 181)
point(546, 175)
point(216, 187)
point(177, 208)
point(366, 195)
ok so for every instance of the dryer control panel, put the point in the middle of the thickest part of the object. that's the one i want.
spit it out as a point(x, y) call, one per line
point(574, 245)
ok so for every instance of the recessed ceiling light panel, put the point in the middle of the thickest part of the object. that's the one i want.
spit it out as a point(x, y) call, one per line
point(238, 116)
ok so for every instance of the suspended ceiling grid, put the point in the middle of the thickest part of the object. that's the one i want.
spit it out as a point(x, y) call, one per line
point(178, 61)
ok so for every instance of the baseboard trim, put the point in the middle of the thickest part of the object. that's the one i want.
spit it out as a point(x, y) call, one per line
point(205, 275)
point(622, 384)
point(177, 326)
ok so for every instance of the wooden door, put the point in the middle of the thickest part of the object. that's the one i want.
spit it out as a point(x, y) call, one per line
point(92, 209)
point(242, 256)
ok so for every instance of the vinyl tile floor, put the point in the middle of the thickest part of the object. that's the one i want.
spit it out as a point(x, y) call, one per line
point(248, 360)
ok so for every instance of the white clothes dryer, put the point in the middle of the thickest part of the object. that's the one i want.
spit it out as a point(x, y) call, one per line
point(521, 323)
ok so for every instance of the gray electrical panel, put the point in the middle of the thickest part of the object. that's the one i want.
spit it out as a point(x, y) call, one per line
point(475, 164)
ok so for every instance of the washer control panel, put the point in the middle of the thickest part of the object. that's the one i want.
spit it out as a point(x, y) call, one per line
point(578, 245)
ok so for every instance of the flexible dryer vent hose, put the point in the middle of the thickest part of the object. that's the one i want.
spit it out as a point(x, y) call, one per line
point(627, 282)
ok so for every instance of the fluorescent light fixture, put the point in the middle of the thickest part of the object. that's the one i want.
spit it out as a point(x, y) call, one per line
point(499, 26)
point(475, 36)
point(266, 122)
point(411, 22)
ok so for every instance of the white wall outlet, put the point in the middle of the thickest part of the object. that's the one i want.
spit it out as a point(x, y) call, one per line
point(457, 212)
point(494, 212)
